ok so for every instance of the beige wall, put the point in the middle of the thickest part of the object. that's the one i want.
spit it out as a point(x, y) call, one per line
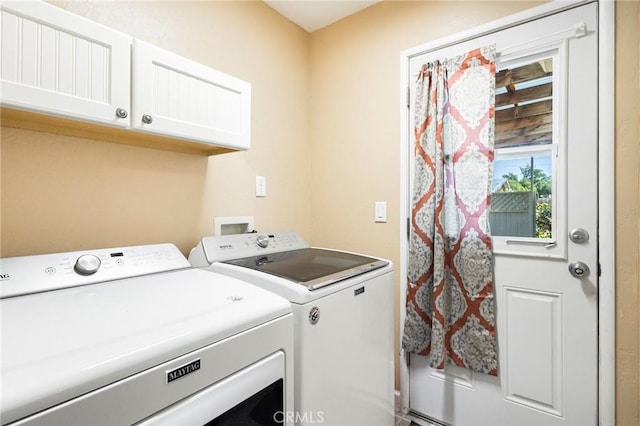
point(61, 193)
point(628, 212)
point(325, 127)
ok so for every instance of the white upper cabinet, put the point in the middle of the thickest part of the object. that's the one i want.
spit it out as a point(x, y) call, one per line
point(71, 71)
point(182, 98)
point(61, 64)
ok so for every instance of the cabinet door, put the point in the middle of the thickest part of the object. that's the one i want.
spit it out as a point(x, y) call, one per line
point(177, 97)
point(55, 62)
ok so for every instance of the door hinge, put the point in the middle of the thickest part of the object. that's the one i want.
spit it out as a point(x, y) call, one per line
point(408, 97)
point(599, 270)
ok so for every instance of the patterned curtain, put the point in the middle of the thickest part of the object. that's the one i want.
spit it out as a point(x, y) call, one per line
point(450, 300)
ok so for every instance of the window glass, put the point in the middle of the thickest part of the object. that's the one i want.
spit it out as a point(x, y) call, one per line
point(521, 201)
point(523, 173)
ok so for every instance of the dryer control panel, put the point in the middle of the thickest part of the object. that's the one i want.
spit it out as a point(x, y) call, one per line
point(35, 274)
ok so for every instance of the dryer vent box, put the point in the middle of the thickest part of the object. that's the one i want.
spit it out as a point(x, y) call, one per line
point(233, 225)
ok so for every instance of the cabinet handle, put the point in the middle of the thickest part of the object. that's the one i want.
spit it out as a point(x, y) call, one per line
point(147, 119)
point(121, 113)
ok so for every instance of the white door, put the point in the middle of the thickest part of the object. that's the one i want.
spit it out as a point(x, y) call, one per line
point(546, 121)
point(177, 97)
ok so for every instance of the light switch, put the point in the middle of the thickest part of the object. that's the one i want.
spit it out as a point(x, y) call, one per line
point(381, 211)
point(261, 186)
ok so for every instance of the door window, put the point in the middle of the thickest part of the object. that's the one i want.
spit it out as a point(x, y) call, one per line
point(526, 196)
point(522, 186)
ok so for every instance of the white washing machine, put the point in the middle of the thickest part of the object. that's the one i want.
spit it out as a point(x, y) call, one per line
point(343, 313)
point(134, 335)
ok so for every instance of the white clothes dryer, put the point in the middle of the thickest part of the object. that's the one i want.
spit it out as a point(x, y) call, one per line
point(134, 335)
point(343, 315)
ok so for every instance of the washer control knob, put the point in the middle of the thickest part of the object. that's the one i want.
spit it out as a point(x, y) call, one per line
point(87, 264)
point(262, 241)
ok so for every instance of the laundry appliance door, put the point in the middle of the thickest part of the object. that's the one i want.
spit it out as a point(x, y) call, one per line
point(195, 389)
point(252, 396)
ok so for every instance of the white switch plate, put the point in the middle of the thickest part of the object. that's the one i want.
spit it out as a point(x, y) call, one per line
point(381, 211)
point(261, 186)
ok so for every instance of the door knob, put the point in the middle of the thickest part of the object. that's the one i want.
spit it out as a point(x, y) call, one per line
point(579, 269)
point(147, 119)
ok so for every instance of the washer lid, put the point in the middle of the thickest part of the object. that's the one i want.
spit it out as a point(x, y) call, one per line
point(60, 344)
point(312, 267)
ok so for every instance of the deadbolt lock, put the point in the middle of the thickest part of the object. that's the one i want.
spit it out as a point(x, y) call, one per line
point(579, 235)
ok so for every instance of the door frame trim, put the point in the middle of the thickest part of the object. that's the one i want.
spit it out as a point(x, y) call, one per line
point(606, 187)
point(606, 213)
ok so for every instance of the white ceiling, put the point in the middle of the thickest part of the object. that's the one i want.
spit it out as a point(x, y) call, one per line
point(312, 15)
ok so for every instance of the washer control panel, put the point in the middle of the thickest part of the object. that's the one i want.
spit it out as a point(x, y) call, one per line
point(238, 246)
point(34, 274)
